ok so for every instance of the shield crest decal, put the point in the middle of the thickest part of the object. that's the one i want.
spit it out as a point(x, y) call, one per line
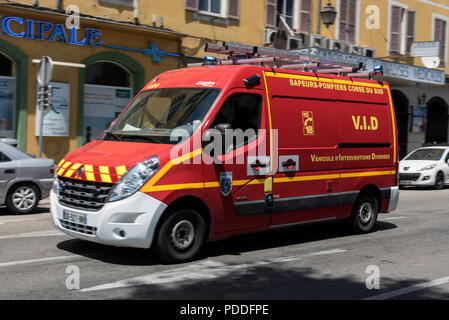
point(225, 183)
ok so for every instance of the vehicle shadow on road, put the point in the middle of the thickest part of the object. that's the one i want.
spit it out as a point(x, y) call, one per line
point(285, 237)
point(4, 211)
point(232, 246)
point(274, 281)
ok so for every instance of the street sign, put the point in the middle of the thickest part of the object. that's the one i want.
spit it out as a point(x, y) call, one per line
point(425, 49)
point(45, 71)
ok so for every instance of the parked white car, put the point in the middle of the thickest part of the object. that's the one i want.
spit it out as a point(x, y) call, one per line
point(428, 166)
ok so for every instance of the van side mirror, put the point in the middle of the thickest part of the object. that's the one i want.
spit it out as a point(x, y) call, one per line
point(211, 134)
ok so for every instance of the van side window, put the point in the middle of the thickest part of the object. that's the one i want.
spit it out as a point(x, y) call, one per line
point(3, 157)
point(241, 111)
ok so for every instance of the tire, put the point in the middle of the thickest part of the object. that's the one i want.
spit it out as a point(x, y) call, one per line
point(439, 181)
point(180, 237)
point(364, 214)
point(22, 198)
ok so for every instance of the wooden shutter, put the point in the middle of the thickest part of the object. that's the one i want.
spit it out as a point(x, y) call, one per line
point(351, 21)
point(234, 9)
point(270, 13)
point(305, 12)
point(395, 29)
point(439, 34)
point(410, 30)
point(342, 21)
point(191, 5)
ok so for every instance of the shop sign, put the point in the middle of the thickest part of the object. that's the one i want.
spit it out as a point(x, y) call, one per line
point(47, 31)
point(391, 69)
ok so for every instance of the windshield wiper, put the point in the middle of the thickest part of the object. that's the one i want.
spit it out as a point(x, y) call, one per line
point(138, 136)
point(116, 136)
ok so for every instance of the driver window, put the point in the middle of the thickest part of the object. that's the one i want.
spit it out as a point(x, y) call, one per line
point(447, 158)
point(241, 111)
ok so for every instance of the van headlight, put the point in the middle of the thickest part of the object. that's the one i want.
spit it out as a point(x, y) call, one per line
point(134, 179)
point(429, 167)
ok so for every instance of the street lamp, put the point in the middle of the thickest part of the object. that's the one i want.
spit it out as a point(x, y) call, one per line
point(328, 15)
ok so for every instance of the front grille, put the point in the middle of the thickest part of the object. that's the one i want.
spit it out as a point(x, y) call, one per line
point(79, 194)
point(78, 227)
point(409, 176)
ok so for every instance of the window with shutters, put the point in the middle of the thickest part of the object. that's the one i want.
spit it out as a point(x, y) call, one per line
point(285, 9)
point(305, 16)
point(410, 31)
point(440, 34)
point(402, 29)
point(220, 8)
point(347, 22)
point(297, 14)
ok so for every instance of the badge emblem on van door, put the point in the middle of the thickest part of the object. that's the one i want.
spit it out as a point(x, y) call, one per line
point(225, 183)
point(307, 122)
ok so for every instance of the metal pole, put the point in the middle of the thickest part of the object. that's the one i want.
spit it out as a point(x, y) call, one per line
point(318, 27)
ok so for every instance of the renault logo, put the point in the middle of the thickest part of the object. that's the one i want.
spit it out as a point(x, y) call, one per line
point(406, 168)
point(79, 172)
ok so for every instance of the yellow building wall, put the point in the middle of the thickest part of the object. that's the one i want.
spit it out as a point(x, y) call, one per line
point(57, 147)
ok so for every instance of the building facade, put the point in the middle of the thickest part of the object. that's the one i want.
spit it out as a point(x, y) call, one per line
point(125, 43)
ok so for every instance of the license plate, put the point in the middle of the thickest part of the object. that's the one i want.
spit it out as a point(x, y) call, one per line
point(74, 217)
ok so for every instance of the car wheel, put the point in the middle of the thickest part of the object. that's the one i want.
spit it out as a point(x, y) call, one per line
point(439, 181)
point(181, 236)
point(364, 214)
point(22, 198)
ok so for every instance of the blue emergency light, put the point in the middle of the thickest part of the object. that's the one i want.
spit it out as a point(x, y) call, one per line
point(209, 61)
point(378, 69)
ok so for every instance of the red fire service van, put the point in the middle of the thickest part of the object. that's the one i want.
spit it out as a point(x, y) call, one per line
point(274, 140)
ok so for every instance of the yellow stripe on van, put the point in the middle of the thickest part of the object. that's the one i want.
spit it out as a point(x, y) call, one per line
point(330, 80)
point(393, 124)
point(147, 187)
point(269, 119)
point(104, 174)
point(120, 170)
point(60, 163)
point(89, 172)
point(66, 165)
point(216, 184)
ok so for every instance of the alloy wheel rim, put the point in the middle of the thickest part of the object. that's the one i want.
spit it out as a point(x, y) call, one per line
point(24, 198)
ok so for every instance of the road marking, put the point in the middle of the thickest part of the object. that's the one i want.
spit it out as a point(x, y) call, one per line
point(20, 220)
point(319, 253)
point(394, 218)
point(46, 233)
point(416, 287)
point(206, 270)
point(14, 263)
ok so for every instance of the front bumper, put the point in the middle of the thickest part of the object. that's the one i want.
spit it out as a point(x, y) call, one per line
point(424, 179)
point(130, 222)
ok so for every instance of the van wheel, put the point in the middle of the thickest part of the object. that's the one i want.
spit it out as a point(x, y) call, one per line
point(364, 214)
point(22, 198)
point(181, 236)
point(439, 181)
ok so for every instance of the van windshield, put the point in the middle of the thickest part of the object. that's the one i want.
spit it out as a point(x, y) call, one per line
point(153, 115)
point(426, 154)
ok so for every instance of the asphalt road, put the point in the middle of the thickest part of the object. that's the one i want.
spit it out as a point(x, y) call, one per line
point(409, 251)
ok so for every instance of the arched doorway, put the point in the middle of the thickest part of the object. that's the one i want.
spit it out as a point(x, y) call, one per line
point(401, 103)
point(107, 90)
point(437, 117)
point(7, 96)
